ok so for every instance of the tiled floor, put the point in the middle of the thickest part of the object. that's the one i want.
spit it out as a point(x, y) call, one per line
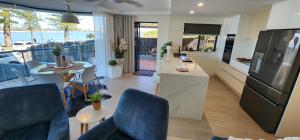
point(147, 64)
point(223, 115)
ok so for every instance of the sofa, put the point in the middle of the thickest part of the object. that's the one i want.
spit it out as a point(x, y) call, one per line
point(33, 112)
point(138, 116)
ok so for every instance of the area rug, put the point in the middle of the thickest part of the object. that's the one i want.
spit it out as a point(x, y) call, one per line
point(76, 104)
point(144, 73)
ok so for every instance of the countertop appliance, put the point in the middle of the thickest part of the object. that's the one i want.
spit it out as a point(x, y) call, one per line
point(272, 75)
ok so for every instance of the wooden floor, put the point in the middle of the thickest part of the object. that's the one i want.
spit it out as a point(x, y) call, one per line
point(223, 116)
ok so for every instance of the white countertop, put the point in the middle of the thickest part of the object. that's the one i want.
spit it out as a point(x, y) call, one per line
point(169, 67)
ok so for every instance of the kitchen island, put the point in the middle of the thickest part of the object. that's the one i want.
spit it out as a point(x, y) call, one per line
point(185, 91)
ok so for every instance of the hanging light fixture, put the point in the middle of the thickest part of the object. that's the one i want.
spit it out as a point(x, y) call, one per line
point(69, 17)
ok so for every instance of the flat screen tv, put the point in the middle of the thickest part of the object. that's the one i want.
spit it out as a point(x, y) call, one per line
point(228, 48)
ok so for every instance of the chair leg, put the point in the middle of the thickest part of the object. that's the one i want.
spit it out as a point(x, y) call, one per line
point(73, 91)
point(98, 79)
point(64, 99)
point(85, 90)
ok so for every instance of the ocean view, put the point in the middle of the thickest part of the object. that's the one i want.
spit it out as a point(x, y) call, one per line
point(44, 36)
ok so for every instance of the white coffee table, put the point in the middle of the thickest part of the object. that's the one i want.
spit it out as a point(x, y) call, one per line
point(89, 115)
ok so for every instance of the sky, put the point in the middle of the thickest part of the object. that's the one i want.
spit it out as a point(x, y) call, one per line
point(86, 22)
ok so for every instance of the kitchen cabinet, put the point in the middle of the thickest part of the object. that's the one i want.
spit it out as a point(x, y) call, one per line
point(294, 21)
point(285, 15)
point(233, 78)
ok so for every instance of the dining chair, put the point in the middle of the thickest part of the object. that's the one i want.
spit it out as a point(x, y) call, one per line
point(24, 81)
point(82, 84)
point(92, 60)
point(32, 64)
point(43, 79)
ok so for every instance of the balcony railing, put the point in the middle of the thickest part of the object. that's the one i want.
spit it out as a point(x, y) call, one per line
point(75, 51)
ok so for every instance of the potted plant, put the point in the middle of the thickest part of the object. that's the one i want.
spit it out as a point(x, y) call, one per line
point(57, 50)
point(164, 48)
point(112, 62)
point(120, 48)
point(114, 70)
point(96, 100)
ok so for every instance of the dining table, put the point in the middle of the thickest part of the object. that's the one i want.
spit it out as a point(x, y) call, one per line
point(50, 68)
point(61, 76)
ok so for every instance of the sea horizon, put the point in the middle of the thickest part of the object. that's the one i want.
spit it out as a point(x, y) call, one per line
point(45, 36)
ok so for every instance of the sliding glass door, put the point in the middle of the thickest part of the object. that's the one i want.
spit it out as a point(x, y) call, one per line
point(145, 46)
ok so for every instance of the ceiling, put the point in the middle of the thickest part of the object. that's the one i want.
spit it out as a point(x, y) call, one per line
point(218, 7)
point(151, 7)
point(154, 7)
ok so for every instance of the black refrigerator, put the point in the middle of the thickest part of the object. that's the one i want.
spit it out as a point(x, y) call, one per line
point(272, 75)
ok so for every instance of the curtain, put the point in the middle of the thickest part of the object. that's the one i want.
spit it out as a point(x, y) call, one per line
point(124, 28)
point(103, 41)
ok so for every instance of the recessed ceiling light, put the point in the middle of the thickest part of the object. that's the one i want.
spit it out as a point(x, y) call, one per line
point(200, 4)
point(192, 12)
point(298, 13)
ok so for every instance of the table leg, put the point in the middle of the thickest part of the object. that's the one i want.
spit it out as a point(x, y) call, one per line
point(84, 128)
point(81, 129)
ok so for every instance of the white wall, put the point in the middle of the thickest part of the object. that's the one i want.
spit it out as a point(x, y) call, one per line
point(289, 124)
point(208, 61)
point(177, 25)
point(163, 30)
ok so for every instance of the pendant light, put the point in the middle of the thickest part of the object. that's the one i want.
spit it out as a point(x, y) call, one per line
point(69, 17)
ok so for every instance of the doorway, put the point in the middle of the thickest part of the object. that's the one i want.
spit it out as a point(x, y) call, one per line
point(145, 47)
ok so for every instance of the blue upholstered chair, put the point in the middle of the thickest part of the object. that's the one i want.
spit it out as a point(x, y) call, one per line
point(33, 113)
point(139, 116)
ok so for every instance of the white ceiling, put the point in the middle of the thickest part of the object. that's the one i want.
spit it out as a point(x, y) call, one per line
point(151, 7)
point(218, 7)
point(156, 7)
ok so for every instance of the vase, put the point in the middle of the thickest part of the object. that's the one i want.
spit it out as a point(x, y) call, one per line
point(120, 61)
point(58, 61)
point(168, 57)
point(97, 105)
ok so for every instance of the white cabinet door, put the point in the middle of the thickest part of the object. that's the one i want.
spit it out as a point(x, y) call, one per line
point(280, 15)
point(295, 15)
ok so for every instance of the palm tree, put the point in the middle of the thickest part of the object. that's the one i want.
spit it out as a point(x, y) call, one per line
point(31, 21)
point(6, 20)
point(90, 36)
point(67, 27)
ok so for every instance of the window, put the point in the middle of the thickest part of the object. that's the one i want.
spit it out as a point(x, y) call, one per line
point(200, 37)
point(33, 34)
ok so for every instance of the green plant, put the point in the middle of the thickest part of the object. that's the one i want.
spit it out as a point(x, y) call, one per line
point(31, 21)
point(112, 62)
point(90, 36)
point(57, 49)
point(95, 97)
point(163, 49)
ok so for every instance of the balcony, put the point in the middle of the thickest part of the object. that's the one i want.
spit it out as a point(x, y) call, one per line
point(22, 60)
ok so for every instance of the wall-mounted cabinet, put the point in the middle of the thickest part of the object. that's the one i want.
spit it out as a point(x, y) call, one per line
point(295, 15)
point(285, 15)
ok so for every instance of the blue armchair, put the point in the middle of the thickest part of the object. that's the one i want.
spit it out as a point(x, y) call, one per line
point(33, 113)
point(139, 116)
